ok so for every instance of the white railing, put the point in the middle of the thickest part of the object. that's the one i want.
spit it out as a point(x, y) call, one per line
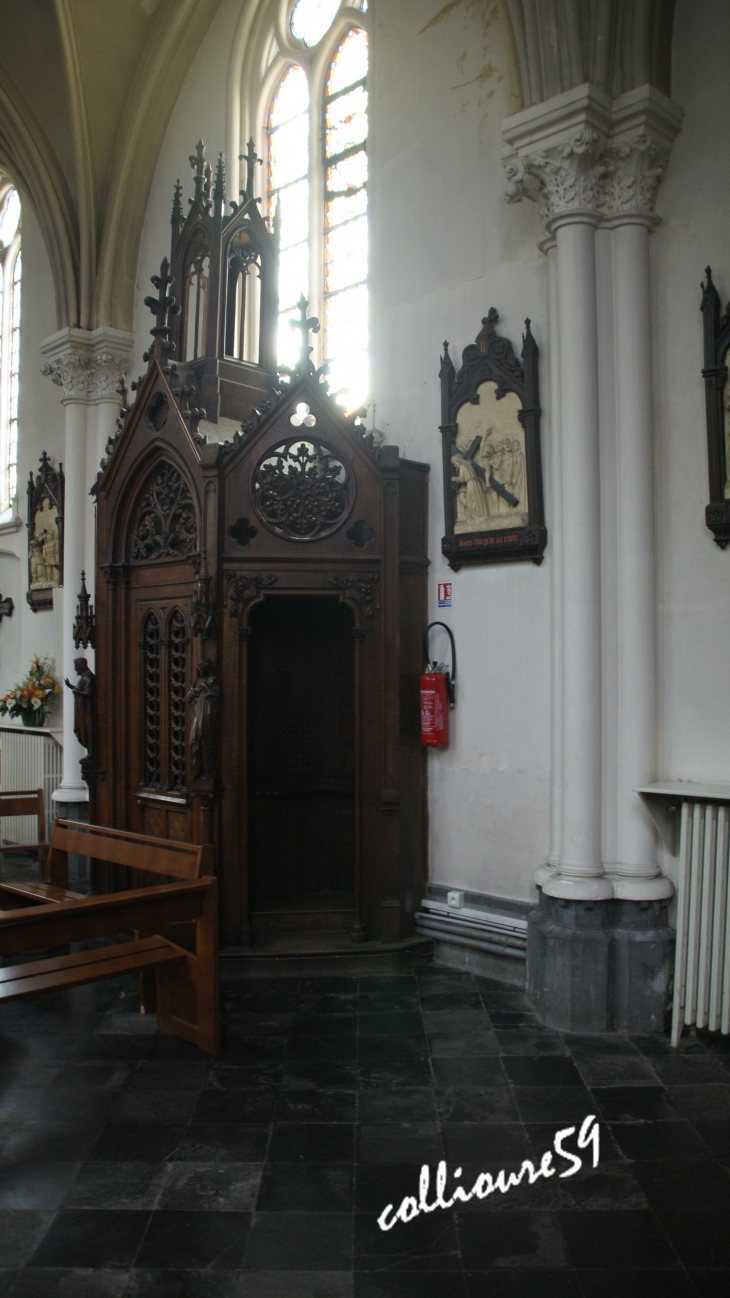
point(702, 957)
point(29, 759)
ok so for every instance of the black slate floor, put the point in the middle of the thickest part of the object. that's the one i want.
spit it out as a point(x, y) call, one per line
point(132, 1165)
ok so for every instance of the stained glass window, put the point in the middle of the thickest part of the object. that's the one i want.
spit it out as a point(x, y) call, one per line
point(288, 188)
point(311, 19)
point(12, 451)
point(10, 276)
point(346, 221)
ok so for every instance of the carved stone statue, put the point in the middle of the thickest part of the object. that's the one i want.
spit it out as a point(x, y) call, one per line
point(83, 693)
point(204, 696)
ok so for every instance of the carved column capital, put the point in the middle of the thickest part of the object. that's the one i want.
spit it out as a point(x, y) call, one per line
point(564, 178)
point(583, 156)
point(87, 364)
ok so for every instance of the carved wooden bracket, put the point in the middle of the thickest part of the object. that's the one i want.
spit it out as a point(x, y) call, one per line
point(362, 586)
point(244, 587)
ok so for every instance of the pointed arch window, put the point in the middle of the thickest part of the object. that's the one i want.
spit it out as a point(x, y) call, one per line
point(318, 179)
point(10, 290)
point(288, 176)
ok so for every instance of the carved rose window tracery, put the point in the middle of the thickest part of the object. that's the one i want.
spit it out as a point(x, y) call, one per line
point(166, 526)
point(302, 490)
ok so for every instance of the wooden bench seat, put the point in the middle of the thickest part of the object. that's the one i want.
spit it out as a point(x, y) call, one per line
point(87, 966)
point(175, 928)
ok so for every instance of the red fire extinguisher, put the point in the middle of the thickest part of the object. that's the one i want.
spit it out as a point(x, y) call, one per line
point(437, 695)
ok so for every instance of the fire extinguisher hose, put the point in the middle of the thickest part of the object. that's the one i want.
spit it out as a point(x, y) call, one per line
point(450, 680)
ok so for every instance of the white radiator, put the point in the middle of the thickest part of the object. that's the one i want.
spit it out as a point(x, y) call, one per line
point(29, 759)
point(702, 961)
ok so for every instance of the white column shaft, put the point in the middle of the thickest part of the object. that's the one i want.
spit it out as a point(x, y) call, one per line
point(73, 788)
point(556, 570)
point(636, 590)
point(581, 870)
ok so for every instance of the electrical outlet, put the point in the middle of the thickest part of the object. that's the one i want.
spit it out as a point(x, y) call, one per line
point(455, 899)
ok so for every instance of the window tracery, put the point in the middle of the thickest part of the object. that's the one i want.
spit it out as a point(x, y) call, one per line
point(318, 79)
point(10, 305)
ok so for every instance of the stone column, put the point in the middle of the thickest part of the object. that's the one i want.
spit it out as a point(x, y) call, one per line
point(589, 161)
point(645, 126)
point(562, 175)
point(86, 365)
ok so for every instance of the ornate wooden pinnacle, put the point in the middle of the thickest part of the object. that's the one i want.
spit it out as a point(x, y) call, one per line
point(164, 304)
point(306, 325)
point(250, 158)
point(201, 173)
point(84, 629)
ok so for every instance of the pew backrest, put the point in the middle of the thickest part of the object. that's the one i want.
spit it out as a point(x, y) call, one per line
point(161, 856)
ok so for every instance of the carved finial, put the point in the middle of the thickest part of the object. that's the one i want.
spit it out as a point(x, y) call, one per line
point(306, 325)
point(491, 319)
point(177, 211)
point(84, 627)
point(219, 189)
point(529, 346)
point(197, 162)
point(250, 157)
point(162, 306)
point(710, 295)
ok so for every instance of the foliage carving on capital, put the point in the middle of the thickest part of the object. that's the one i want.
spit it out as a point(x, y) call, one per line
point(85, 375)
point(589, 173)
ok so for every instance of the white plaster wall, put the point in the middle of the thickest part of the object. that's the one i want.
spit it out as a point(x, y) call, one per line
point(445, 247)
point(40, 427)
point(693, 596)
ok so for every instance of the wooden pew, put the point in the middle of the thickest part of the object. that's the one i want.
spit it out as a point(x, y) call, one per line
point(186, 981)
point(26, 802)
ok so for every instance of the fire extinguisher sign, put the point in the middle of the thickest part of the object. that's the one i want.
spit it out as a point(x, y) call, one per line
point(444, 594)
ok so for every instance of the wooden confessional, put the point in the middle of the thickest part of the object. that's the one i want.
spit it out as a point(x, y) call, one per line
point(291, 563)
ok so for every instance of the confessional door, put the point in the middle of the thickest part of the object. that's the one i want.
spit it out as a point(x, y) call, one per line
point(301, 765)
point(161, 672)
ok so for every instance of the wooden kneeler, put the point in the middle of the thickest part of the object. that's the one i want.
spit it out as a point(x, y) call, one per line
point(186, 981)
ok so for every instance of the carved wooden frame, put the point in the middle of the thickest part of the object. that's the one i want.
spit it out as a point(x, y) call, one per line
point(715, 373)
point(491, 358)
point(48, 484)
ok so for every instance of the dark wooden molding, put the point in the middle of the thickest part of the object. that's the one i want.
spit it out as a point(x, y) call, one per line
point(716, 328)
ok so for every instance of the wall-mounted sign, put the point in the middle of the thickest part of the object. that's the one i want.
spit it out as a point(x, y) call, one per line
point(444, 594)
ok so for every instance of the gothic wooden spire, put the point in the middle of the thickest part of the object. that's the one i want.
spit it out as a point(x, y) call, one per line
point(202, 175)
point(306, 325)
point(250, 158)
point(177, 210)
point(162, 306)
point(219, 187)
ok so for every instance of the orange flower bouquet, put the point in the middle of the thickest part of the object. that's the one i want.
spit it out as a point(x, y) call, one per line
point(29, 700)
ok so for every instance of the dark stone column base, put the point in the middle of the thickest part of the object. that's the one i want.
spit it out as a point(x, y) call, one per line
point(603, 966)
point(79, 868)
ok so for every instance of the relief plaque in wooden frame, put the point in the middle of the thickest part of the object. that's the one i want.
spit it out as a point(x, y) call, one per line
point(45, 534)
point(490, 429)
